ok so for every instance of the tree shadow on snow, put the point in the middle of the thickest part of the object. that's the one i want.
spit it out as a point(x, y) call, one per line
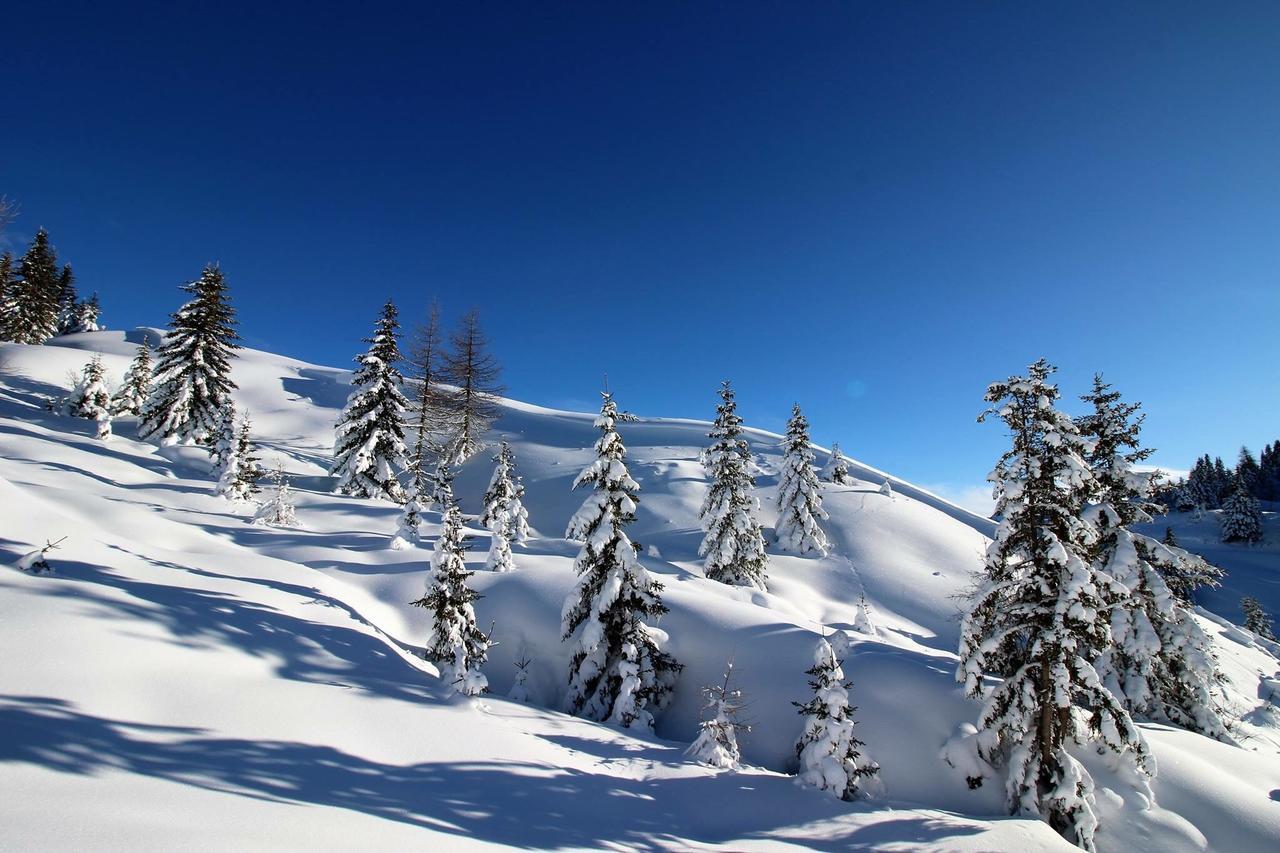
point(301, 649)
point(514, 803)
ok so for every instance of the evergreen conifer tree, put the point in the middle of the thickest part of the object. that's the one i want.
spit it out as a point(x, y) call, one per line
point(837, 470)
point(473, 371)
point(1269, 472)
point(1182, 571)
point(369, 451)
point(799, 495)
point(133, 392)
point(1255, 618)
point(90, 398)
point(241, 472)
point(617, 670)
point(717, 741)
point(1039, 619)
point(279, 510)
point(1241, 517)
point(223, 443)
point(504, 512)
point(409, 527)
point(33, 296)
point(1159, 663)
point(1248, 472)
point(193, 373)
point(442, 479)
point(68, 302)
point(86, 315)
point(455, 645)
point(8, 305)
point(733, 544)
point(829, 754)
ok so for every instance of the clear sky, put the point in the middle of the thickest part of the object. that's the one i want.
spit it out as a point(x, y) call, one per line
point(873, 210)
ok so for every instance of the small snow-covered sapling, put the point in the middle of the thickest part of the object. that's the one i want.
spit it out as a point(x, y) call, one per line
point(35, 561)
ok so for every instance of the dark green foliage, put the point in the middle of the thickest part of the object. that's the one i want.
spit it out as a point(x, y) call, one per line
point(193, 374)
point(368, 453)
point(31, 300)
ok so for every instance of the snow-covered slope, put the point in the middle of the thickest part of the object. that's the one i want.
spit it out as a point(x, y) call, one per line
point(187, 676)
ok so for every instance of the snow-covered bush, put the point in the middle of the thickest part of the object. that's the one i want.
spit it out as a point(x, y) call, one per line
point(837, 467)
point(409, 527)
point(278, 511)
point(717, 741)
point(519, 691)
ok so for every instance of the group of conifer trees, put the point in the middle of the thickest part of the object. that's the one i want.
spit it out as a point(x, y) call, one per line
point(1236, 491)
point(619, 671)
point(38, 298)
point(1086, 621)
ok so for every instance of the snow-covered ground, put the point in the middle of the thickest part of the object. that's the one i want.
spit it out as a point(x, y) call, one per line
point(186, 679)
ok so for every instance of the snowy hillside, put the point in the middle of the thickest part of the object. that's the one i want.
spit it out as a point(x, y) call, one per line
point(185, 677)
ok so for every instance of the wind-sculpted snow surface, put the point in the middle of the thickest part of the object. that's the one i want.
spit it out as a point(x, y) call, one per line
point(187, 678)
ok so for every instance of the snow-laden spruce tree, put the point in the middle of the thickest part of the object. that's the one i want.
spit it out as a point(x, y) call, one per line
point(1183, 572)
point(733, 544)
point(31, 303)
point(828, 752)
point(134, 390)
point(799, 495)
point(618, 672)
point(8, 305)
point(193, 371)
point(90, 398)
point(1159, 663)
point(717, 741)
point(279, 510)
point(504, 513)
point(238, 479)
point(409, 527)
point(222, 444)
point(837, 468)
point(455, 644)
point(1255, 618)
point(1241, 517)
point(442, 480)
point(68, 302)
point(88, 313)
point(369, 453)
point(1039, 618)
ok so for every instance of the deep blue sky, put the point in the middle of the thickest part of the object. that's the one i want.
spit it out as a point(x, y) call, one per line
point(873, 211)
